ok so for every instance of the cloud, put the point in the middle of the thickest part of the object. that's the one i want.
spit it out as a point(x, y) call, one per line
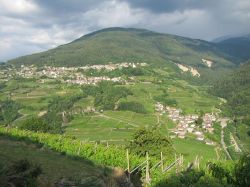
point(29, 26)
point(112, 14)
point(17, 6)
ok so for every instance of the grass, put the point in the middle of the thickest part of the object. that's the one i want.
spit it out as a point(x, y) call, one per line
point(191, 148)
point(54, 165)
point(96, 127)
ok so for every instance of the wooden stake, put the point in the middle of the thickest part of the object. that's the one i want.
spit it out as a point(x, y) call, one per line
point(95, 146)
point(198, 164)
point(127, 156)
point(147, 170)
point(162, 166)
point(176, 168)
point(128, 167)
point(79, 148)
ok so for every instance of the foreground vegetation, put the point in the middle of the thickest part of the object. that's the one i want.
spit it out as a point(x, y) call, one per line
point(217, 174)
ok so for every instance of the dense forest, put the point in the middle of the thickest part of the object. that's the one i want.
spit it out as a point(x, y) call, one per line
point(235, 88)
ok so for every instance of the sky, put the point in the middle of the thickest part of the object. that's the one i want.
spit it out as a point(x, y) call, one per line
point(29, 26)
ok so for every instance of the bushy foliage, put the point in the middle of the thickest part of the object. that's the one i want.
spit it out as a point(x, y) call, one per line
point(132, 106)
point(164, 99)
point(9, 111)
point(246, 120)
point(242, 171)
point(52, 121)
point(36, 124)
point(220, 174)
point(192, 178)
point(21, 173)
point(59, 104)
point(151, 141)
point(106, 94)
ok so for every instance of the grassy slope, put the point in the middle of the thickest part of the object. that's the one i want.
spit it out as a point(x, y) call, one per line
point(192, 148)
point(54, 165)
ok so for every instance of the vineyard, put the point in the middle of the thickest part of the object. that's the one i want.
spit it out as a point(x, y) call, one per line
point(111, 155)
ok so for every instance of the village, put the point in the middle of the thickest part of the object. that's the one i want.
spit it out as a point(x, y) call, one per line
point(73, 75)
point(188, 123)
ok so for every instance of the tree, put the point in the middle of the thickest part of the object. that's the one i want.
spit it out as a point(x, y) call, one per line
point(242, 171)
point(199, 121)
point(151, 141)
point(35, 124)
point(9, 111)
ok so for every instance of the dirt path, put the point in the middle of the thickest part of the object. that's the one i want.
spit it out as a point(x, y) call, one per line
point(118, 119)
point(223, 123)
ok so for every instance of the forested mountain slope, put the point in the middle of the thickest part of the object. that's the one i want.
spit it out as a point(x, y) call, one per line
point(237, 47)
point(118, 45)
point(235, 88)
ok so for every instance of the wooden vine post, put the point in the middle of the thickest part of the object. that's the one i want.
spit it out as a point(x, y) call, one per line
point(95, 146)
point(128, 166)
point(162, 164)
point(79, 149)
point(147, 170)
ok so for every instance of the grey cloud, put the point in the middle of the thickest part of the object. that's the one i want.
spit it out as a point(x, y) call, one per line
point(160, 6)
point(43, 24)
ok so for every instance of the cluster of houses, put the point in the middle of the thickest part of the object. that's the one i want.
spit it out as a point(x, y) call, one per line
point(187, 123)
point(73, 75)
point(93, 80)
point(6, 74)
point(27, 71)
point(111, 66)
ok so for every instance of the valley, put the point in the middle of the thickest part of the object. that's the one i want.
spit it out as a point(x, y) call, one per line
point(118, 99)
point(35, 88)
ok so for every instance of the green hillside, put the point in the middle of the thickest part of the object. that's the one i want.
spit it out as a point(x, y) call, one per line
point(54, 165)
point(235, 88)
point(128, 45)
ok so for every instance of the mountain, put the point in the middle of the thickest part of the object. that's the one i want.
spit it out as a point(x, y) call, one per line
point(129, 45)
point(225, 37)
point(237, 47)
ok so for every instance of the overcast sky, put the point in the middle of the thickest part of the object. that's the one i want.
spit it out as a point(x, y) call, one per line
point(28, 26)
